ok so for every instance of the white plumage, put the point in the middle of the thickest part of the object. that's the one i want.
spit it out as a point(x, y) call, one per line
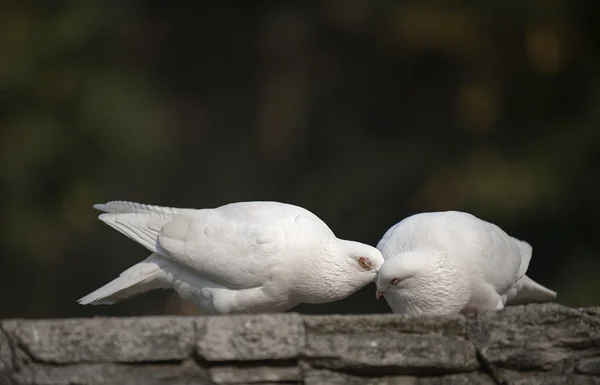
point(453, 262)
point(244, 257)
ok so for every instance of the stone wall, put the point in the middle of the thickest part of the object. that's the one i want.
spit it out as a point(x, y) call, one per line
point(534, 344)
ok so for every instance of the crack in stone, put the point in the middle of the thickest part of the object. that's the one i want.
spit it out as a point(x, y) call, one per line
point(11, 347)
point(472, 331)
point(472, 326)
point(303, 362)
point(195, 354)
point(488, 368)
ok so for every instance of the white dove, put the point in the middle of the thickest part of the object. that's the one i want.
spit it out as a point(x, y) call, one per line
point(245, 257)
point(453, 262)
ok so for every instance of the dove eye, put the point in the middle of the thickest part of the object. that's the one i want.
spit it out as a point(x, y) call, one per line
point(394, 281)
point(365, 263)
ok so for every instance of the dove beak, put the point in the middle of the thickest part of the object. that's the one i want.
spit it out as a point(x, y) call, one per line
point(379, 293)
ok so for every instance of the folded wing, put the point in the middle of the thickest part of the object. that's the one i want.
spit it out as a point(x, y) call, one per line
point(236, 252)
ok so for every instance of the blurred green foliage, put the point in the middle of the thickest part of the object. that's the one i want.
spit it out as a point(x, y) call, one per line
point(363, 112)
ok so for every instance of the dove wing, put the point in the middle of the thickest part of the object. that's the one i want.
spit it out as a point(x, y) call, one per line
point(232, 246)
point(492, 251)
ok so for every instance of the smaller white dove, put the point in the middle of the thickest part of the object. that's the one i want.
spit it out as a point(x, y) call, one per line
point(453, 262)
point(245, 257)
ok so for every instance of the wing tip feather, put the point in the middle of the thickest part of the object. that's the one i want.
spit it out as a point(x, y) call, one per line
point(116, 206)
point(88, 300)
point(101, 207)
point(106, 217)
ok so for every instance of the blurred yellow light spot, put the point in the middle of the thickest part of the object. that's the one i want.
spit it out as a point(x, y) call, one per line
point(455, 25)
point(443, 190)
point(352, 15)
point(544, 50)
point(419, 26)
point(477, 109)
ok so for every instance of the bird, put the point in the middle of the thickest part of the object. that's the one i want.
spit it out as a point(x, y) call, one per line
point(243, 257)
point(452, 262)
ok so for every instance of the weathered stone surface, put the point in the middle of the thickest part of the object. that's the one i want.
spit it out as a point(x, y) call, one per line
point(96, 374)
point(533, 344)
point(546, 337)
point(589, 366)
point(458, 379)
point(104, 339)
point(5, 353)
point(389, 344)
point(250, 337)
point(5, 379)
point(389, 324)
point(593, 311)
point(549, 379)
point(270, 383)
point(320, 377)
point(394, 355)
point(255, 373)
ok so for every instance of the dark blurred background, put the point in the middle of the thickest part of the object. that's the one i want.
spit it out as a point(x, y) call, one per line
point(362, 111)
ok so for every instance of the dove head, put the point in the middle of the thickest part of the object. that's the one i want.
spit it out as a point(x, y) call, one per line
point(357, 264)
point(420, 281)
point(363, 261)
point(344, 268)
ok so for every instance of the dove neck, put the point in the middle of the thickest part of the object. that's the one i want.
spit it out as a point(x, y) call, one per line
point(332, 276)
point(430, 282)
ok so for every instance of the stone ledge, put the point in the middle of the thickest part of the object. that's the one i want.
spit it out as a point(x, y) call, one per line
point(533, 344)
point(6, 357)
point(104, 339)
point(389, 344)
point(539, 338)
point(250, 337)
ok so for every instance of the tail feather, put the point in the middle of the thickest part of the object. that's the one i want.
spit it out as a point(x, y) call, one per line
point(116, 207)
point(139, 278)
point(142, 223)
point(140, 227)
point(139, 222)
point(532, 291)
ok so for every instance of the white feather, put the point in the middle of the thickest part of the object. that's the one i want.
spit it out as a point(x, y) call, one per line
point(241, 257)
point(134, 207)
point(454, 262)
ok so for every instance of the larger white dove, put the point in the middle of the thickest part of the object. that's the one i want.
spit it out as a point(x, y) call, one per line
point(453, 262)
point(244, 257)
